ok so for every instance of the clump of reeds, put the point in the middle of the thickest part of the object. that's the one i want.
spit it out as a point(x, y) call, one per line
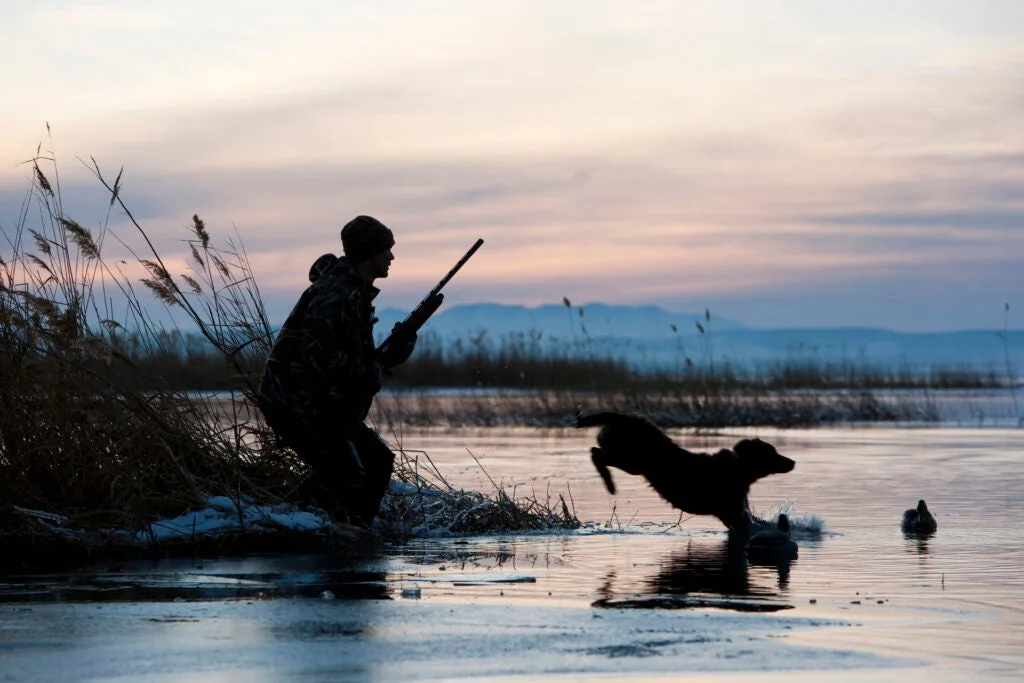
point(423, 501)
point(83, 432)
point(518, 380)
point(677, 408)
point(525, 383)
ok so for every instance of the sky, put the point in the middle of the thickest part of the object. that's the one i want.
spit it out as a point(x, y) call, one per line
point(784, 164)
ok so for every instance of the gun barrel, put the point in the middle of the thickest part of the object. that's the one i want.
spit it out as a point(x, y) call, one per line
point(462, 261)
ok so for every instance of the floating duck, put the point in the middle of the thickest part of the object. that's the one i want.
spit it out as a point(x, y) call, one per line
point(772, 545)
point(919, 520)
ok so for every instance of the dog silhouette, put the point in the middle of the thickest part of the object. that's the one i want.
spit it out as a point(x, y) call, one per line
point(697, 483)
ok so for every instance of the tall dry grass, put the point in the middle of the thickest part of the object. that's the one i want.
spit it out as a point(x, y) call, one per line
point(84, 431)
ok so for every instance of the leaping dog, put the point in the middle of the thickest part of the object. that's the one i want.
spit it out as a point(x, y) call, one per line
point(698, 483)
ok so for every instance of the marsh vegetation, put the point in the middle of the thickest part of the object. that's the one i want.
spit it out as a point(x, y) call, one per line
point(104, 343)
point(98, 436)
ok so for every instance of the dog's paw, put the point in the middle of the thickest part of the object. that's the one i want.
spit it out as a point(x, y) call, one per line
point(597, 457)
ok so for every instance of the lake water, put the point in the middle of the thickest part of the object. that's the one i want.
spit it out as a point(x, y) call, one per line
point(639, 594)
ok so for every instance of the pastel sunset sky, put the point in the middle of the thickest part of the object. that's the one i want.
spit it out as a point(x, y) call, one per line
point(804, 163)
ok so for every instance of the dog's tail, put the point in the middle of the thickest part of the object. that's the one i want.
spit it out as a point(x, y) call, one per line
point(601, 419)
point(624, 433)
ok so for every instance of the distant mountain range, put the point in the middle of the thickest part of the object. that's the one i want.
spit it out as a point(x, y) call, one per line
point(651, 335)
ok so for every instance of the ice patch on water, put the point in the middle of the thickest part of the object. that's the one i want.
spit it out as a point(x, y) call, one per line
point(404, 488)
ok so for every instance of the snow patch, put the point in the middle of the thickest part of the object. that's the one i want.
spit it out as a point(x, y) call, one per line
point(222, 514)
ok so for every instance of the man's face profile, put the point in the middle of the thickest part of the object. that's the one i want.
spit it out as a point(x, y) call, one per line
point(380, 263)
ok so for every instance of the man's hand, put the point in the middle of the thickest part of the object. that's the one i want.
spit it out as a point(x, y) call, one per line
point(399, 347)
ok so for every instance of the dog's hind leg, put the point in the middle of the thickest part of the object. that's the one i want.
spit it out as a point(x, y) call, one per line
point(601, 463)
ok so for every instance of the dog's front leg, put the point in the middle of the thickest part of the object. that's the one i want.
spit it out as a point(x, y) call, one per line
point(600, 461)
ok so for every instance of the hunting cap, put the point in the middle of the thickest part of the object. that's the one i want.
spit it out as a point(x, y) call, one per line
point(364, 237)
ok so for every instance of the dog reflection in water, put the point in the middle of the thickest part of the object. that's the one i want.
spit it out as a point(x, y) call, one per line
point(697, 483)
point(772, 546)
point(919, 520)
point(706, 567)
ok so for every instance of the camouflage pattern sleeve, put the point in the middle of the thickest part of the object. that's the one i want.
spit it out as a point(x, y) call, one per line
point(338, 346)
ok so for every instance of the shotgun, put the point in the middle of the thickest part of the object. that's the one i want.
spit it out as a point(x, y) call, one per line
point(431, 302)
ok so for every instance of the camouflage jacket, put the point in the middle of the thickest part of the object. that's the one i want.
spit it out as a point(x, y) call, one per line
point(322, 364)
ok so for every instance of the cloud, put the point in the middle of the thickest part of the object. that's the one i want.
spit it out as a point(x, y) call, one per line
point(994, 221)
point(588, 227)
point(657, 154)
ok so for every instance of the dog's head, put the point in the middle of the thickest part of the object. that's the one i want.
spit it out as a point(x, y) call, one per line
point(759, 459)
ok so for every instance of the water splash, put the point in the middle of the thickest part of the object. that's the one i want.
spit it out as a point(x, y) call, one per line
point(807, 523)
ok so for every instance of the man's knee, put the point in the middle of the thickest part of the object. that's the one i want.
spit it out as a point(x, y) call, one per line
point(372, 448)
